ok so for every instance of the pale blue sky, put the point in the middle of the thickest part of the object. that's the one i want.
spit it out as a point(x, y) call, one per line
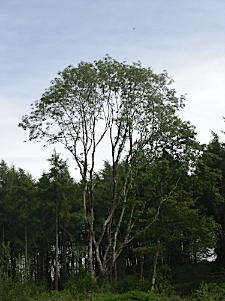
point(40, 37)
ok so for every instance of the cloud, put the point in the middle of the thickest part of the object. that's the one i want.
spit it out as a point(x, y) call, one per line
point(203, 81)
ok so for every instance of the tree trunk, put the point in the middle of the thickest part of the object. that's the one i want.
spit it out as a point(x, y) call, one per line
point(64, 263)
point(90, 256)
point(26, 253)
point(115, 272)
point(142, 267)
point(3, 232)
point(56, 250)
point(155, 265)
point(221, 249)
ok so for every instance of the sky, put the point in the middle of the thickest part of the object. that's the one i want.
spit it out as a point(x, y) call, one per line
point(38, 38)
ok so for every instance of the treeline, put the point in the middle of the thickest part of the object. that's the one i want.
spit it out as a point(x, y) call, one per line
point(157, 203)
point(172, 217)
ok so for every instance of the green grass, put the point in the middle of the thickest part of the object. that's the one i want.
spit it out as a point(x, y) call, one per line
point(202, 282)
point(129, 296)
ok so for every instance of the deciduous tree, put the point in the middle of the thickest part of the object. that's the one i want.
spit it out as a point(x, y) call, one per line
point(127, 107)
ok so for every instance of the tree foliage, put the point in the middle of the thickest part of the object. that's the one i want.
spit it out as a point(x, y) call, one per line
point(131, 108)
point(157, 203)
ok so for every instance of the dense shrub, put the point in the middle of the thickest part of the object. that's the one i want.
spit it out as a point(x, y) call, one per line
point(81, 282)
point(132, 283)
point(16, 291)
point(210, 292)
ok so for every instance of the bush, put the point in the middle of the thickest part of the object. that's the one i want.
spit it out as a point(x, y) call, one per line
point(81, 282)
point(210, 292)
point(132, 283)
point(16, 291)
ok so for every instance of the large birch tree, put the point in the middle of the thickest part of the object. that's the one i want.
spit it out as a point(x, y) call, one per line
point(120, 111)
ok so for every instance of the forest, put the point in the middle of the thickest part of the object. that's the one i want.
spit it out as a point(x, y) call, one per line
point(148, 225)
